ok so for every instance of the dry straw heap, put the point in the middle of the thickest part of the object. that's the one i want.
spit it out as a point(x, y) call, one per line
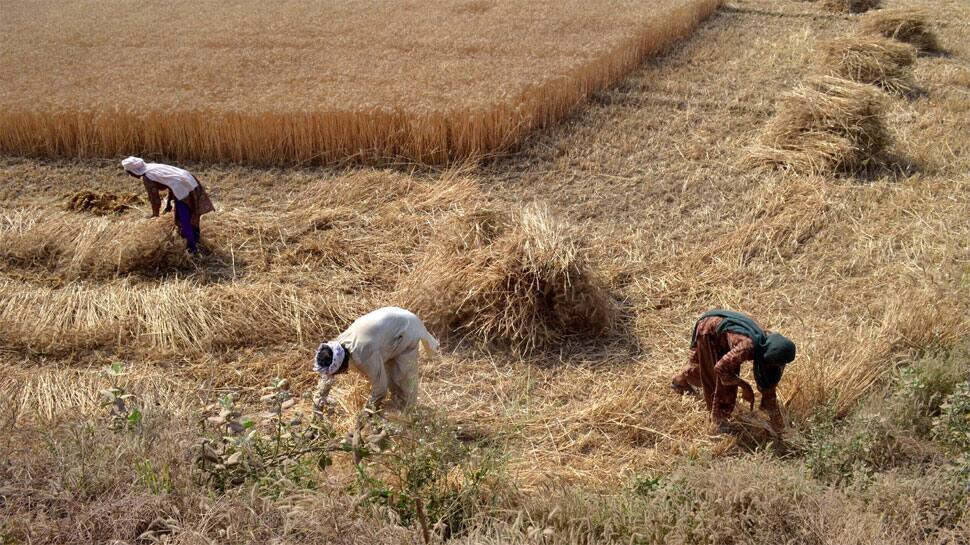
point(826, 124)
point(904, 24)
point(100, 203)
point(874, 60)
point(358, 81)
point(72, 247)
point(850, 6)
point(518, 280)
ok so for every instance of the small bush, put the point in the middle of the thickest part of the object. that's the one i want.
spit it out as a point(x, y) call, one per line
point(952, 426)
point(428, 476)
point(235, 449)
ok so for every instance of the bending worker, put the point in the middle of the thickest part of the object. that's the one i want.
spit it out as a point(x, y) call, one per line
point(191, 200)
point(383, 346)
point(721, 342)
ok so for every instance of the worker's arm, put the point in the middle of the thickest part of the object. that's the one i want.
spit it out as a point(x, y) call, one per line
point(769, 404)
point(728, 368)
point(377, 375)
point(151, 188)
point(320, 398)
point(692, 359)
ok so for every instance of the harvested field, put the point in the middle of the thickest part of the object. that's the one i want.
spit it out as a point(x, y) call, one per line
point(311, 82)
point(537, 423)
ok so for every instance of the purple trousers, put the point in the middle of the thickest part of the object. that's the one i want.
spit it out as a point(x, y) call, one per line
point(183, 218)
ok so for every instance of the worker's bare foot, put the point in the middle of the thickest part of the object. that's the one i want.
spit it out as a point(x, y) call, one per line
point(682, 389)
point(726, 427)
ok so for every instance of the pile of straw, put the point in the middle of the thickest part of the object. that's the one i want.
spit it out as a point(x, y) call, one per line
point(74, 247)
point(826, 124)
point(100, 204)
point(906, 25)
point(850, 6)
point(874, 60)
point(518, 281)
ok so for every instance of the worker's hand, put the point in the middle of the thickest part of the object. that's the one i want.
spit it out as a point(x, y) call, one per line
point(747, 393)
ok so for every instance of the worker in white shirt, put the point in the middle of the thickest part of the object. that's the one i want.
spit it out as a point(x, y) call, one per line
point(191, 200)
point(383, 346)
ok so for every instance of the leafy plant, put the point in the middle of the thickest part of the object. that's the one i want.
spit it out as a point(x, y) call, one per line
point(236, 448)
point(122, 411)
point(428, 475)
point(952, 426)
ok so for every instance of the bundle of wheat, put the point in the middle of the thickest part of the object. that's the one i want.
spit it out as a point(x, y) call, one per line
point(516, 280)
point(873, 60)
point(826, 124)
point(100, 204)
point(73, 246)
point(850, 6)
point(904, 24)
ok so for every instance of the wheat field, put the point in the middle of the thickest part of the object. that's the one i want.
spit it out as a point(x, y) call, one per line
point(313, 81)
point(562, 280)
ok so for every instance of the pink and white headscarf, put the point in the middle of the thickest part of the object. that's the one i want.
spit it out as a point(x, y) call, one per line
point(338, 352)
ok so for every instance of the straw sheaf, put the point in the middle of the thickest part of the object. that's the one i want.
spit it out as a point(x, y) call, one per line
point(909, 25)
point(519, 280)
point(824, 125)
point(877, 61)
point(850, 6)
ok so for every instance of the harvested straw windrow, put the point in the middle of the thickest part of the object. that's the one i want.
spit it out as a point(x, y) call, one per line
point(370, 223)
point(826, 124)
point(100, 204)
point(177, 315)
point(850, 6)
point(903, 24)
point(874, 60)
point(75, 246)
point(520, 281)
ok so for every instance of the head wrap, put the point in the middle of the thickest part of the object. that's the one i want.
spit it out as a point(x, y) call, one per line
point(779, 350)
point(337, 354)
point(135, 165)
point(771, 352)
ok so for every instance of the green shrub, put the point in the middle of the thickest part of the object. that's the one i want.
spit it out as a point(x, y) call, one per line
point(952, 426)
point(280, 449)
point(427, 471)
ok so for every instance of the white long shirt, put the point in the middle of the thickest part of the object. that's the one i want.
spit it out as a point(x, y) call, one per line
point(179, 180)
point(387, 337)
